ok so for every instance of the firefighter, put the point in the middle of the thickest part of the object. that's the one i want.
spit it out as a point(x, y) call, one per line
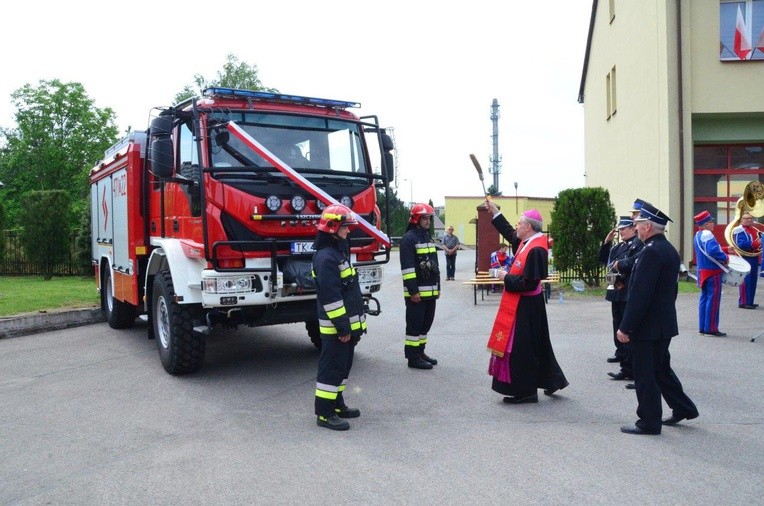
point(421, 284)
point(341, 315)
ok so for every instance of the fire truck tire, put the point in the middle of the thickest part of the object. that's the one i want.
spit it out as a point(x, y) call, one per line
point(313, 333)
point(120, 315)
point(180, 349)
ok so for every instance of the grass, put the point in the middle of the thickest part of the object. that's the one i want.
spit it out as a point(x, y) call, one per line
point(26, 294)
point(684, 287)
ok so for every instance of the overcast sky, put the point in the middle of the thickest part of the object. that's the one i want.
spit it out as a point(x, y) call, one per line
point(427, 69)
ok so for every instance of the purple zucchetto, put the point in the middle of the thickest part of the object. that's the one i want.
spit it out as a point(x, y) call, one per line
point(533, 214)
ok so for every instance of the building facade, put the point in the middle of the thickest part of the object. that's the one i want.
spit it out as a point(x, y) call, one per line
point(461, 212)
point(673, 106)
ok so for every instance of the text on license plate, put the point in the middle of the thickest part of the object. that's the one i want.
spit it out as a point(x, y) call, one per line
point(302, 247)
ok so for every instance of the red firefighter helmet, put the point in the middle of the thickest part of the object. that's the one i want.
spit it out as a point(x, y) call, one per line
point(420, 210)
point(334, 217)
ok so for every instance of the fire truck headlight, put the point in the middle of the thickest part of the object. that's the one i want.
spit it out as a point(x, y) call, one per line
point(369, 275)
point(273, 203)
point(347, 201)
point(242, 284)
point(298, 203)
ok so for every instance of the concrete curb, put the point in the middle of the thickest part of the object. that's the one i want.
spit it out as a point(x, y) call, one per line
point(44, 321)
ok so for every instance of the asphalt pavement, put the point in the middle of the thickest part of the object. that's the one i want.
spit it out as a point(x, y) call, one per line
point(88, 416)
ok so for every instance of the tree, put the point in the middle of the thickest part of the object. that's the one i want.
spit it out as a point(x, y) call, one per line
point(399, 215)
point(47, 228)
point(493, 192)
point(580, 219)
point(60, 134)
point(235, 74)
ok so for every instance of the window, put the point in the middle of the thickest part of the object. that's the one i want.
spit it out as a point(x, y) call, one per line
point(720, 175)
point(610, 89)
point(741, 30)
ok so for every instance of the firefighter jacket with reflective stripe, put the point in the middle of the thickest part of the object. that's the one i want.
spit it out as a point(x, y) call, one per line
point(339, 301)
point(419, 264)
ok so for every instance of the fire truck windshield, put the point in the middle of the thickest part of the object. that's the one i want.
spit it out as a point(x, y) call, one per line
point(303, 143)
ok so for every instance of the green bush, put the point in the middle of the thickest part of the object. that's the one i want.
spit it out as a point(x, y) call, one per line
point(83, 248)
point(45, 237)
point(581, 218)
point(2, 231)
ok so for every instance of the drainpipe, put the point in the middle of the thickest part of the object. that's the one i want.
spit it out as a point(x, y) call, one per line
point(680, 104)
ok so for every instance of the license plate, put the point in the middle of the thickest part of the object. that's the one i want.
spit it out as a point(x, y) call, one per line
point(302, 247)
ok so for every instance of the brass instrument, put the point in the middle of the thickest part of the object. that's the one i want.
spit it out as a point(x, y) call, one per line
point(752, 202)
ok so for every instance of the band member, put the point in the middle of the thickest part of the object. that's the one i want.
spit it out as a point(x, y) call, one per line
point(341, 315)
point(650, 322)
point(748, 238)
point(620, 259)
point(421, 284)
point(710, 258)
point(522, 358)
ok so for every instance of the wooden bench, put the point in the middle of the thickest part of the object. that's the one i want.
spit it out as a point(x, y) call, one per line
point(553, 278)
point(483, 282)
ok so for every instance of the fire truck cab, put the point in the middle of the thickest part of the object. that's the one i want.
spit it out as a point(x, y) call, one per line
point(209, 216)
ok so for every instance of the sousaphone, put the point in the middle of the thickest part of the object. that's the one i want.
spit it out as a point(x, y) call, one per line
point(752, 202)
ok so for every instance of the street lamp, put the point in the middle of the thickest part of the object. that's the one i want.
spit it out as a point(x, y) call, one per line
point(516, 211)
point(411, 191)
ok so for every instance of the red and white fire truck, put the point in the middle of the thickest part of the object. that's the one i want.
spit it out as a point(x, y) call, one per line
point(209, 216)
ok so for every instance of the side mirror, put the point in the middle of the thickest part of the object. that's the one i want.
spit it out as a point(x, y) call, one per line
point(387, 146)
point(161, 149)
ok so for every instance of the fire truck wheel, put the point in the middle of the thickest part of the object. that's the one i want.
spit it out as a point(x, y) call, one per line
point(314, 333)
point(120, 315)
point(180, 349)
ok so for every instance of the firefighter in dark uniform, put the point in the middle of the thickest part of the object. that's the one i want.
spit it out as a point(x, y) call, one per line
point(649, 323)
point(341, 315)
point(421, 284)
point(620, 261)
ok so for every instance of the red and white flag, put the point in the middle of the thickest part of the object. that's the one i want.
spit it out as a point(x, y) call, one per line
point(760, 42)
point(742, 40)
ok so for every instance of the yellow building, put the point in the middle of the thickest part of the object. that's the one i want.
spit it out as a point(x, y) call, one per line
point(460, 211)
point(672, 113)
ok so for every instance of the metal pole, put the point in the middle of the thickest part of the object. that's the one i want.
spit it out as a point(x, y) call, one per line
point(516, 211)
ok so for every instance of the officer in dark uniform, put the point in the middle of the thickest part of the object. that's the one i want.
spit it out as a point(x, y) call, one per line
point(341, 315)
point(421, 284)
point(649, 323)
point(620, 261)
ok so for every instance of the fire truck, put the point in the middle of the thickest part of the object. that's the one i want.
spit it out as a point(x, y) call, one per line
point(209, 216)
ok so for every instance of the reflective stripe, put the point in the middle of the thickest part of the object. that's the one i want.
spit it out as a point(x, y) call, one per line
point(327, 330)
point(422, 293)
point(411, 275)
point(325, 391)
point(412, 343)
point(327, 387)
point(347, 272)
point(334, 305)
point(336, 313)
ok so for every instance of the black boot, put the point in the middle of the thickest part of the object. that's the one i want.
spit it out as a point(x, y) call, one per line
point(418, 362)
point(345, 412)
point(332, 422)
point(428, 359)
